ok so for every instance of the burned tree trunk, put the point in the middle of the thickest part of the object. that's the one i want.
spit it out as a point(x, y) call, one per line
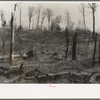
point(29, 23)
point(99, 51)
point(95, 43)
point(20, 18)
point(74, 46)
point(93, 7)
point(12, 39)
point(93, 24)
point(3, 43)
point(67, 40)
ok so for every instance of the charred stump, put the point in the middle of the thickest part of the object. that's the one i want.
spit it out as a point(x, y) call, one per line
point(74, 46)
point(67, 42)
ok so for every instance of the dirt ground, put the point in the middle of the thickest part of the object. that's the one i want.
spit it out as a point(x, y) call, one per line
point(48, 64)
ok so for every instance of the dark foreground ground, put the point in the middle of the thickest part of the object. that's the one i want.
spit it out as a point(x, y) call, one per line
point(47, 65)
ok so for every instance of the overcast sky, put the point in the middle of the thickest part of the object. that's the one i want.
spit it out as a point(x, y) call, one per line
point(58, 9)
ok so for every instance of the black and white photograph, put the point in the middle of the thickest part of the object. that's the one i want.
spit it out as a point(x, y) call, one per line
point(49, 43)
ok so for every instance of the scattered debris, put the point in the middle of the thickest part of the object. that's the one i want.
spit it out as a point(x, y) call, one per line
point(95, 78)
point(56, 56)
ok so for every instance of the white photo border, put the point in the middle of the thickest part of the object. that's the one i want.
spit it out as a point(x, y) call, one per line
point(44, 91)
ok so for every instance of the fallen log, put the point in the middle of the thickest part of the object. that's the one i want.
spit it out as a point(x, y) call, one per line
point(16, 69)
point(29, 78)
point(95, 78)
point(14, 80)
point(71, 77)
point(90, 59)
point(34, 72)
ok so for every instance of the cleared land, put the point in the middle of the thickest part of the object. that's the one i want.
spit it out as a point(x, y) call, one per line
point(48, 64)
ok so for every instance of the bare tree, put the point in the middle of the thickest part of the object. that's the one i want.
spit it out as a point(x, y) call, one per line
point(12, 35)
point(30, 14)
point(49, 16)
point(93, 7)
point(20, 9)
point(67, 42)
point(3, 37)
point(99, 51)
point(58, 19)
point(55, 23)
point(2, 13)
point(44, 14)
point(38, 12)
point(94, 53)
point(79, 24)
point(82, 10)
point(74, 46)
point(69, 24)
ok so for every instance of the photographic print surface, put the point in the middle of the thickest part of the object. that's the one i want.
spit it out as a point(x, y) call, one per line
point(49, 43)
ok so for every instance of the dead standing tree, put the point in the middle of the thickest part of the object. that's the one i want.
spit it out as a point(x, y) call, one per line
point(49, 16)
point(82, 10)
point(12, 36)
point(20, 8)
point(58, 21)
point(12, 39)
point(3, 45)
point(93, 7)
point(99, 51)
point(44, 14)
point(74, 46)
point(55, 23)
point(30, 14)
point(3, 38)
point(2, 13)
point(79, 25)
point(69, 22)
point(69, 26)
point(67, 42)
point(38, 12)
point(20, 17)
point(67, 19)
point(94, 53)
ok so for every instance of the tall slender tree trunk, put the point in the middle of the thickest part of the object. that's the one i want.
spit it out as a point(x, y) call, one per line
point(99, 51)
point(48, 24)
point(3, 44)
point(20, 17)
point(12, 39)
point(42, 23)
point(67, 44)
point(29, 23)
point(95, 43)
point(38, 19)
point(84, 24)
point(74, 46)
point(37, 24)
point(93, 24)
